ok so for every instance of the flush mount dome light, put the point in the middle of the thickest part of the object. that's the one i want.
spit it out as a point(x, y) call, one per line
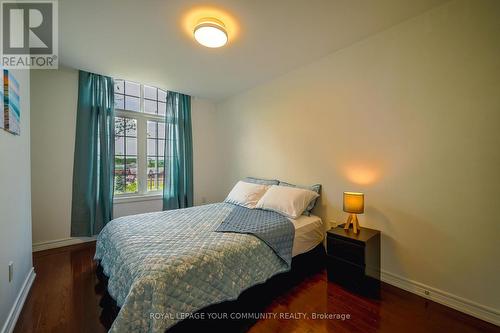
point(210, 32)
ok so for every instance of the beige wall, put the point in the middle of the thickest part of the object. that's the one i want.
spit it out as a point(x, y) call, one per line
point(410, 117)
point(15, 206)
point(54, 96)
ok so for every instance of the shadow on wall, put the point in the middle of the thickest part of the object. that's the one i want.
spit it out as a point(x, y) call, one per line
point(396, 253)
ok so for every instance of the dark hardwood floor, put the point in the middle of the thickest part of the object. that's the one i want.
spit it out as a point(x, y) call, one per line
point(67, 296)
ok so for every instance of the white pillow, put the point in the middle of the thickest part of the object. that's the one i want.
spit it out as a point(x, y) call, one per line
point(246, 194)
point(288, 201)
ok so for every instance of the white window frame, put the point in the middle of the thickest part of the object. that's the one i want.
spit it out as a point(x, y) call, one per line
point(142, 119)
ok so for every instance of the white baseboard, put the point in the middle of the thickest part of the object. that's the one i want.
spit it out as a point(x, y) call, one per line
point(10, 323)
point(439, 296)
point(60, 243)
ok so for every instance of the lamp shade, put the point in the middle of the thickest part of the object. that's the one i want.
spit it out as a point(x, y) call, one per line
point(354, 202)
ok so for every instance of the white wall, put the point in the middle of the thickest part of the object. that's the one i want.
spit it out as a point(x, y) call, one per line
point(206, 152)
point(409, 116)
point(54, 96)
point(15, 203)
point(54, 101)
point(137, 207)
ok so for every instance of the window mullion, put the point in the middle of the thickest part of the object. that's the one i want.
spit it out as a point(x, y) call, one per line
point(141, 157)
point(141, 153)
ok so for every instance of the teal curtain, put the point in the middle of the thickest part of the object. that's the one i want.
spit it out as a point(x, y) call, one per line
point(92, 202)
point(178, 187)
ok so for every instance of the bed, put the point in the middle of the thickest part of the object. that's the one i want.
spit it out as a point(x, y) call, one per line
point(161, 266)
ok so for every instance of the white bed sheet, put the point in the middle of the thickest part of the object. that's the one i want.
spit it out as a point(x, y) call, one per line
point(309, 232)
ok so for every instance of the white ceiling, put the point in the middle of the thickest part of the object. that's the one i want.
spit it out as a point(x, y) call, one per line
point(150, 42)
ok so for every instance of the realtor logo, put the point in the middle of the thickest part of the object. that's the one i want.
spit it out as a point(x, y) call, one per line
point(29, 34)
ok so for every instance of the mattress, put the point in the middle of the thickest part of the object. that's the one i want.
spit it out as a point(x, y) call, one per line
point(309, 232)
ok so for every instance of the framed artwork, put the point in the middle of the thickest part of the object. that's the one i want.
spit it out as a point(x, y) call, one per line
point(1, 106)
point(11, 103)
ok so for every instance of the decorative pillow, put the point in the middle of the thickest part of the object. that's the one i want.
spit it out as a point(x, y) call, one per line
point(246, 194)
point(316, 188)
point(261, 181)
point(288, 201)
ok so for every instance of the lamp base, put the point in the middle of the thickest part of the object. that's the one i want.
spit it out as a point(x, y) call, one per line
point(353, 218)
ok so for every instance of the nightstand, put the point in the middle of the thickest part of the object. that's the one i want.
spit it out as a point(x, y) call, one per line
point(354, 259)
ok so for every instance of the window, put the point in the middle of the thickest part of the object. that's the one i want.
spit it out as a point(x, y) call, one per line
point(125, 155)
point(156, 155)
point(139, 138)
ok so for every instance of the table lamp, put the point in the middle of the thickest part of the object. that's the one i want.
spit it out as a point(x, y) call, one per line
point(354, 203)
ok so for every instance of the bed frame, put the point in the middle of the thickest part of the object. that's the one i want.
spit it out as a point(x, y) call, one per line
point(252, 300)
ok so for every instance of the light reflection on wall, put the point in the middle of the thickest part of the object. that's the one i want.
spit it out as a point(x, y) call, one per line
point(195, 14)
point(362, 173)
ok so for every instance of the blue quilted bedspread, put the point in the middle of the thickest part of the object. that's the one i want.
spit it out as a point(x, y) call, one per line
point(163, 265)
point(270, 227)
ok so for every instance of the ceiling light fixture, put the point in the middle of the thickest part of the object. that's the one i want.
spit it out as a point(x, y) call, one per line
point(210, 32)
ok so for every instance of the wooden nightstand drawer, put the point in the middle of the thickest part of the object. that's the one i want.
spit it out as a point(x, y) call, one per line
point(345, 272)
point(345, 250)
point(354, 259)
point(352, 277)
